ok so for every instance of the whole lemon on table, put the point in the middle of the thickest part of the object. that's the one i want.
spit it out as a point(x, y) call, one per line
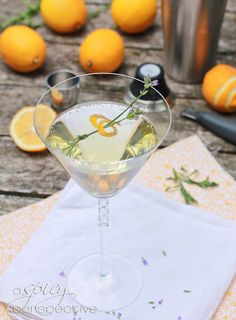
point(102, 51)
point(22, 48)
point(64, 16)
point(134, 16)
point(219, 87)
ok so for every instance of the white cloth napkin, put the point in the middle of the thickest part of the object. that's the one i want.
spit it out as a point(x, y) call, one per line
point(187, 256)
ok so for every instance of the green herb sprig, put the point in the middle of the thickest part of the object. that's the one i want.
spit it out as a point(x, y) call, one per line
point(24, 17)
point(118, 119)
point(181, 177)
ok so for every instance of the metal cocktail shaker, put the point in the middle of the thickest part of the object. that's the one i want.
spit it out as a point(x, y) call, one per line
point(191, 33)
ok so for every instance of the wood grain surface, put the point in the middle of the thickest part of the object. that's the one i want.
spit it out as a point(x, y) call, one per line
point(26, 178)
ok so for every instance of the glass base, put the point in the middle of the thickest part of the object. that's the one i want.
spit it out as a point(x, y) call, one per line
point(117, 290)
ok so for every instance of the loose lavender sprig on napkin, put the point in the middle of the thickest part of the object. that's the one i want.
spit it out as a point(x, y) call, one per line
point(181, 177)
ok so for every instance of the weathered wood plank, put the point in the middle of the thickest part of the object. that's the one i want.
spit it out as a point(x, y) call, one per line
point(182, 127)
point(32, 174)
point(19, 176)
point(227, 40)
point(228, 162)
point(231, 6)
point(150, 39)
point(12, 203)
point(15, 4)
point(40, 174)
point(64, 56)
point(14, 98)
point(24, 177)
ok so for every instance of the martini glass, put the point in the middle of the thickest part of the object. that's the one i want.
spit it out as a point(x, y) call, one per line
point(102, 140)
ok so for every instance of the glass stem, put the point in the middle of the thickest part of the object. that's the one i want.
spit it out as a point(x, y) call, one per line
point(103, 223)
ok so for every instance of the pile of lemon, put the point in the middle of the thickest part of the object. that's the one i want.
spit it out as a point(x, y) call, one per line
point(24, 50)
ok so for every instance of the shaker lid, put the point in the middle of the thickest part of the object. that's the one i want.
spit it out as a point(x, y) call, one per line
point(155, 72)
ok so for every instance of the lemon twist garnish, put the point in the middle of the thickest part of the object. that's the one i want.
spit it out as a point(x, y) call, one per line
point(99, 122)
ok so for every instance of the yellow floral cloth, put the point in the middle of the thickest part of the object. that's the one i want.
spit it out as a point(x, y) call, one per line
point(17, 227)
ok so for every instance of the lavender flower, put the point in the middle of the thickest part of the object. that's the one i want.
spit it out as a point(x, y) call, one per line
point(144, 261)
point(154, 83)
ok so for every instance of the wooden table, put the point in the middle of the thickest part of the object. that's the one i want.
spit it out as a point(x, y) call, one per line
point(26, 178)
